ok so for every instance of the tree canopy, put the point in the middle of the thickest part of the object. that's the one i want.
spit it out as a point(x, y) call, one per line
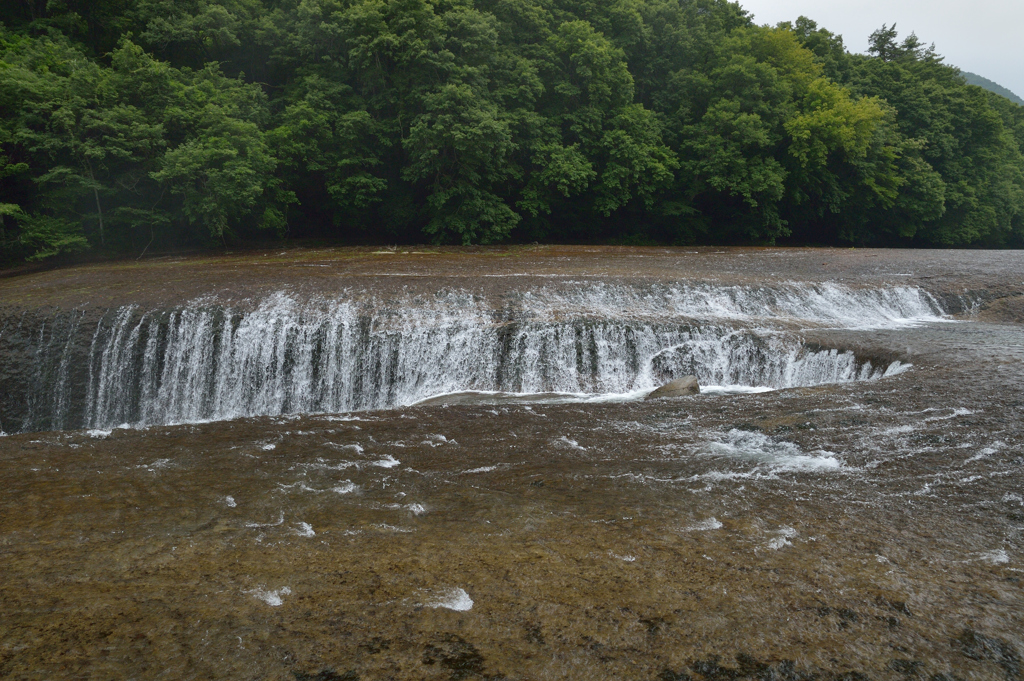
point(135, 124)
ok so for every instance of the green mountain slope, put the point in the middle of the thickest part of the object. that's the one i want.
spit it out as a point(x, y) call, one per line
point(982, 82)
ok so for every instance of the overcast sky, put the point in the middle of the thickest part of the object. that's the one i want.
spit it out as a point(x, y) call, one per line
point(983, 36)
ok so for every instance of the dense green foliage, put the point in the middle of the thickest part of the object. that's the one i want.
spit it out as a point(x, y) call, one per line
point(135, 124)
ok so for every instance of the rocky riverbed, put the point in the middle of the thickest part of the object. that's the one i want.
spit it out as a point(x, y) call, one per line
point(853, 529)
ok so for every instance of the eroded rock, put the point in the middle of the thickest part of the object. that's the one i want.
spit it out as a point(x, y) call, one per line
point(687, 385)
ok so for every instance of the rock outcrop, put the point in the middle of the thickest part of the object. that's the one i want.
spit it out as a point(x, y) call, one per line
point(687, 385)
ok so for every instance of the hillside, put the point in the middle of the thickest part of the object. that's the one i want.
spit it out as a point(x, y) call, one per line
point(981, 81)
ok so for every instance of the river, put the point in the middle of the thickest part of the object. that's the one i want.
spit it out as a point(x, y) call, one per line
point(224, 467)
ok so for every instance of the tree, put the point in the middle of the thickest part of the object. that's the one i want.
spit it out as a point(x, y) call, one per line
point(961, 150)
point(223, 168)
point(131, 124)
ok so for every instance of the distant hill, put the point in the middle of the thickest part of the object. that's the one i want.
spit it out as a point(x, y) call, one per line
point(980, 81)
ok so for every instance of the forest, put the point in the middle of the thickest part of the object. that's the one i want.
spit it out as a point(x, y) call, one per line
point(135, 126)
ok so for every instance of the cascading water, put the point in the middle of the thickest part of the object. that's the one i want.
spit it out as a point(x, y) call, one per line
point(208, 361)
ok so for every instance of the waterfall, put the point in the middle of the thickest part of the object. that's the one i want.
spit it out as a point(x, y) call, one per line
point(208, 361)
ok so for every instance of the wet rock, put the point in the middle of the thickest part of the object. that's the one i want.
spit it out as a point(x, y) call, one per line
point(906, 667)
point(534, 634)
point(376, 645)
point(326, 675)
point(992, 649)
point(891, 622)
point(749, 667)
point(897, 605)
point(687, 385)
point(457, 655)
point(1004, 310)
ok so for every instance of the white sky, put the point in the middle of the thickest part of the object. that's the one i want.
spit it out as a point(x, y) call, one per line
point(982, 36)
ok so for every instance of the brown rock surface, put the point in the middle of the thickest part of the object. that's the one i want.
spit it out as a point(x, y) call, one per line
point(687, 385)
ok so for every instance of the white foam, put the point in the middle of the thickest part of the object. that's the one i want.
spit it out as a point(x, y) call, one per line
point(271, 598)
point(301, 486)
point(346, 487)
point(392, 528)
point(230, 501)
point(98, 433)
point(719, 476)
point(983, 454)
point(711, 523)
point(322, 464)
point(453, 599)
point(897, 368)
point(897, 430)
point(268, 447)
point(959, 411)
point(997, 557)
point(611, 397)
point(482, 469)
point(543, 397)
point(760, 449)
point(305, 530)
point(358, 449)
point(827, 304)
point(785, 534)
point(387, 462)
point(987, 452)
point(156, 465)
point(735, 389)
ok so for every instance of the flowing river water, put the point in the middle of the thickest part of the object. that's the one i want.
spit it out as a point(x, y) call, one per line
point(342, 464)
